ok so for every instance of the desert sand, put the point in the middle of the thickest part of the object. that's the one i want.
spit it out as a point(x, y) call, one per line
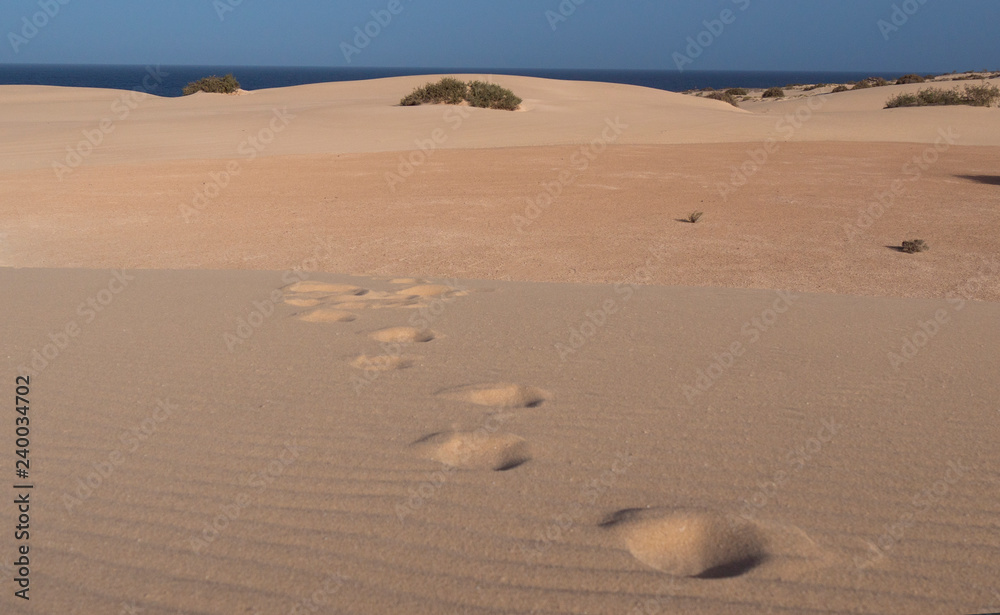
point(304, 350)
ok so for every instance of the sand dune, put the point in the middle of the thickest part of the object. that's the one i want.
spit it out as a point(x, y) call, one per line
point(280, 472)
point(515, 380)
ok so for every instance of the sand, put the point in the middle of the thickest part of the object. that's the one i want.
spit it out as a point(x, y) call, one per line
point(358, 376)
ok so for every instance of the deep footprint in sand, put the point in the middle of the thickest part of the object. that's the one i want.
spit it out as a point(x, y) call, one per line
point(477, 450)
point(327, 315)
point(500, 394)
point(403, 335)
point(691, 543)
point(383, 363)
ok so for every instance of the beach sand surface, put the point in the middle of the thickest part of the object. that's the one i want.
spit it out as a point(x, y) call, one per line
point(315, 388)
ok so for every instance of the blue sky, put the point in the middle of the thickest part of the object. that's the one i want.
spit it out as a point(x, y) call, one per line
point(937, 35)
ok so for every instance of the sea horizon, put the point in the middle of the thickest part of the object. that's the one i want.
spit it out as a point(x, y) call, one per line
point(172, 78)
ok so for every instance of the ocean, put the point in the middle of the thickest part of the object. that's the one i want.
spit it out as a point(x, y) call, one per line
point(174, 78)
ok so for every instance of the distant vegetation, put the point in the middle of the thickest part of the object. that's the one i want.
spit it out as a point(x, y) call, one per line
point(906, 79)
point(774, 93)
point(870, 82)
point(451, 91)
point(983, 95)
point(214, 85)
point(724, 97)
point(839, 88)
point(738, 92)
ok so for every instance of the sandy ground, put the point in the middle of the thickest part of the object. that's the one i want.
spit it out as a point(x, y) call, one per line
point(335, 372)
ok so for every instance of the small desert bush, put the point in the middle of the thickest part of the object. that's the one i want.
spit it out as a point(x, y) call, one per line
point(774, 93)
point(738, 91)
point(906, 79)
point(694, 217)
point(815, 87)
point(983, 95)
point(724, 97)
point(451, 91)
point(492, 96)
point(839, 88)
point(214, 85)
point(917, 245)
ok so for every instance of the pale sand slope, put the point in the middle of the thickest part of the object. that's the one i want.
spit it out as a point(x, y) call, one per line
point(539, 536)
point(364, 116)
point(810, 425)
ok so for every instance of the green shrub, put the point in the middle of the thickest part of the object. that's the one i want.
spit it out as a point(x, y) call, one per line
point(738, 92)
point(724, 97)
point(905, 79)
point(839, 88)
point(214, 85)
point(983, 95)
point(492, 96)
point(815, 87)
point(774, 93)
point(870, 82)
point(451, 91)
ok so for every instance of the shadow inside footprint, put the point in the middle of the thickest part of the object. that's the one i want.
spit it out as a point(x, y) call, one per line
point(478, 450)
point(690, 543)
point(501, 394)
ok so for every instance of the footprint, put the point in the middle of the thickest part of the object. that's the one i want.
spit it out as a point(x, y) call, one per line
point(476, 450)
point(403, 335)
point(327, 315)
point(302, 302)
point(382, 363)
point(691, 543)
point(323, 287)
point(427, 290)
point(498, 394)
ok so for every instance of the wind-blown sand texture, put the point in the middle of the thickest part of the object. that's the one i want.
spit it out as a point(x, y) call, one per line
point(320, 389)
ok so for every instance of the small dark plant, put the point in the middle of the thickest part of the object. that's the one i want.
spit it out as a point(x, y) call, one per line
point(839, 88)
point(738, 91)
point(695, 216)
point(917, 245)
point(214, 85)
point(906, 79)
point(724, 97)
point(774, 93)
